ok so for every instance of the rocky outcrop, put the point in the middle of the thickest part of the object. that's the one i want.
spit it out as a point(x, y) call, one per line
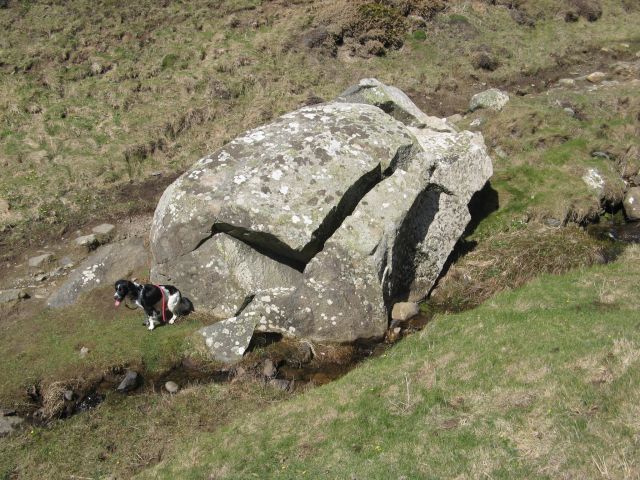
point(314, 225)
point(106, 265)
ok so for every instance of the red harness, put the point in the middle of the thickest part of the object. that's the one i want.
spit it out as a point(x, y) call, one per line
point(162, 304)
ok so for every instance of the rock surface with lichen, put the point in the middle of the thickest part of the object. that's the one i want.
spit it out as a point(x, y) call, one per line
point(106, 265)
point(314, 225)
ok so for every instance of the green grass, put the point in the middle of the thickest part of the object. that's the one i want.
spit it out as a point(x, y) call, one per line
point(45, 347)
point(127, 434)
point(537, 383)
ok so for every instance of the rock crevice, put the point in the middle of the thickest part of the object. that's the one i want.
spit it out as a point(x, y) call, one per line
point(273, 247)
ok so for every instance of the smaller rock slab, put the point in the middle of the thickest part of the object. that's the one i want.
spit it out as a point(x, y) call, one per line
point(229, 339)
point(106, 265)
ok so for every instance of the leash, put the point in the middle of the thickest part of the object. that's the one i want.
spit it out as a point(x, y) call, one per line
point(162, 304)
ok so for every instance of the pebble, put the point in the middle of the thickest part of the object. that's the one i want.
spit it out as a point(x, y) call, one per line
point(130, 381)
point(171, 387)
point(269, 369)
point(8, 424)
point(567, 82)
point(306, 353)
point(552, 222)
point(103, 229)
point(404, 311)
point(7, 296)
point(570, 111)
point(87, 240)
point(84, 351)
point(596, 77)
point(284, 385)
point(68, 395)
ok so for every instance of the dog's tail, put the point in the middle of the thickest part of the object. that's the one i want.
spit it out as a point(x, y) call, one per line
point(185, 307)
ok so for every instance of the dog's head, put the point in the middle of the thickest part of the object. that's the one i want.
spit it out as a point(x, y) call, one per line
point(123, 288)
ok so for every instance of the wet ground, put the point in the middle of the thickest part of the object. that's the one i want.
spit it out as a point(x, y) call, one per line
point(621, 232)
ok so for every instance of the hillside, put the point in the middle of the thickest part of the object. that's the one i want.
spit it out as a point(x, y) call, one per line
point(527, 365)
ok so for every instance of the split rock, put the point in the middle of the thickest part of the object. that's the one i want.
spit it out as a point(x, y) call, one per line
point(313, 225)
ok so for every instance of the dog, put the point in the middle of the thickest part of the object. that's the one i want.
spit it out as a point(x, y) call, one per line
point(152, 299)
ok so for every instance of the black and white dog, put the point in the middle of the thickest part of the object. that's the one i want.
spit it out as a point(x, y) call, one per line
point(153, 299)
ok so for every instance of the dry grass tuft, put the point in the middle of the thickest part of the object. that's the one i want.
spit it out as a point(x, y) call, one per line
point(53, 402)
point(512, 259)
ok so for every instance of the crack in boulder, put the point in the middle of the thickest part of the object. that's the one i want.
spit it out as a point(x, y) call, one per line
point(268, 244)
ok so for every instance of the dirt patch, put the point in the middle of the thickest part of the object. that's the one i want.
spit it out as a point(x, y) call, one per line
point(452, 96)
point(125, 201)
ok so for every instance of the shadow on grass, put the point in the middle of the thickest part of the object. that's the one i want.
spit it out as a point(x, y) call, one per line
point(482, 204)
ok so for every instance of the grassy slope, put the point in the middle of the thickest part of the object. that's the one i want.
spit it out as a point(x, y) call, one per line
point(537, 383)
point(122, 91)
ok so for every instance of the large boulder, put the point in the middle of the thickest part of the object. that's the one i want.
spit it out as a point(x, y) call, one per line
point(315, 225)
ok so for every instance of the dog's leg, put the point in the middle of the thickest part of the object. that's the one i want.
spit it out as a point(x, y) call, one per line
point(172, 306)
point(151, 313)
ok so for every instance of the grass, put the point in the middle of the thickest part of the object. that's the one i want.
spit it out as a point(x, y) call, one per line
point(541, 154)
point(539, 382)
point(45, 348)
point(512, 259)
point(127, 434)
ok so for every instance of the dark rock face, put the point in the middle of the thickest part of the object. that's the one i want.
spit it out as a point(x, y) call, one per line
point(313, 225)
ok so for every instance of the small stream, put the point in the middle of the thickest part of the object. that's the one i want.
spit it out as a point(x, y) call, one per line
point(614, 230)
